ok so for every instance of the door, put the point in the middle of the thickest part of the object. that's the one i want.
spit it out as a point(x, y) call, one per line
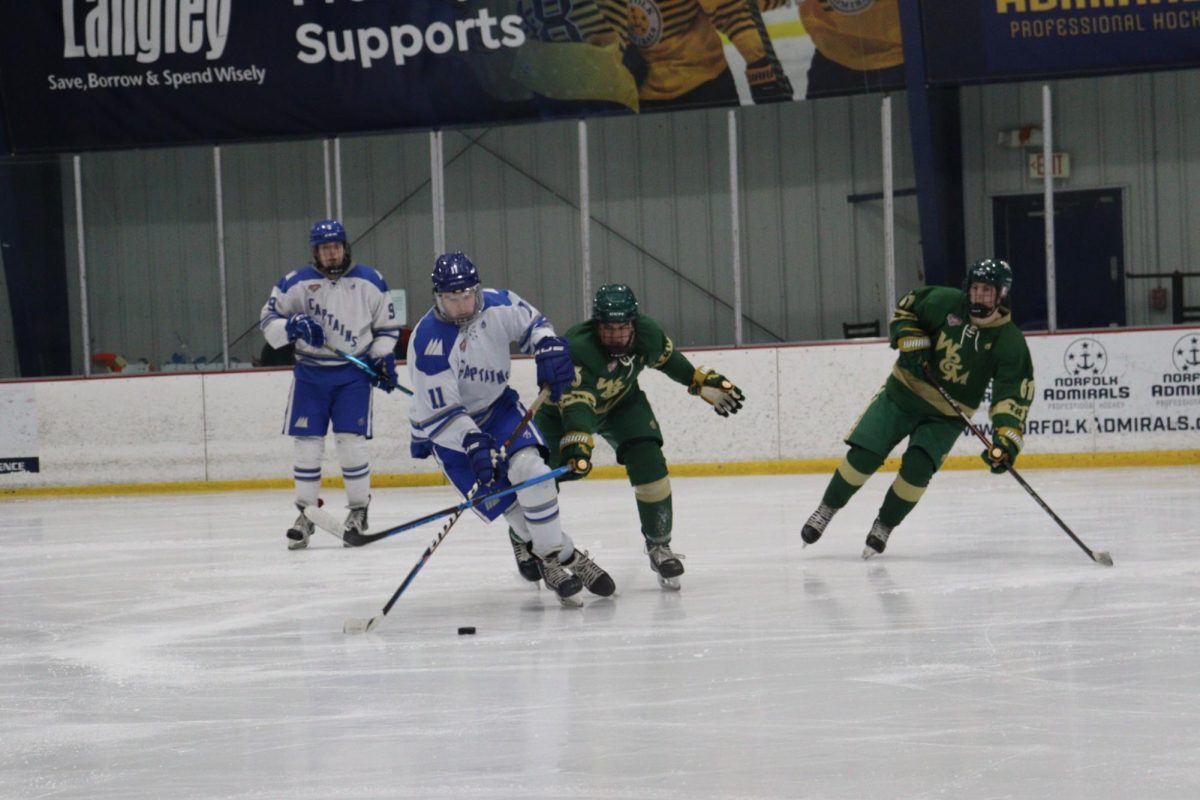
point(1089, 257)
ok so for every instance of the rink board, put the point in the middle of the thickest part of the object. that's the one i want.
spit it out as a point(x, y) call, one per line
point(1128, 397)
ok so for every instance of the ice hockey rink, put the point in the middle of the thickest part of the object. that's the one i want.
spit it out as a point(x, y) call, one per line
point(170, 646)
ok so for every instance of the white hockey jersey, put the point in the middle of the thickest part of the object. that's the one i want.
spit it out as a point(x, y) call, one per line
point(355, 311)
point(457, 373)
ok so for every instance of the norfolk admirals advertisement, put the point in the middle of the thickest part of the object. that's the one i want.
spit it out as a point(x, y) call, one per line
point(1114, 392)
point(968, 41)
point(79, 74)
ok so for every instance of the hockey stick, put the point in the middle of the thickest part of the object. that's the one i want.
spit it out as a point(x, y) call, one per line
point(1098, 556)
point(365, 367)
point(329, 523)
point(368, 625)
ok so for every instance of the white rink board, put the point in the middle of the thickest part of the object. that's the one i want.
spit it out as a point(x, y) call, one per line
point(1137, 391)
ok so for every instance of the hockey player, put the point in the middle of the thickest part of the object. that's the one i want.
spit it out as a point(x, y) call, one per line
point(610, 351)
point(857, 46)
point(462, 406)
point(685, 65)
point(968, 340)
point(332, 304)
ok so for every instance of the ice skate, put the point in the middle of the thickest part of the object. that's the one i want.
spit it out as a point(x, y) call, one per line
point(355, 526)
point(876, 539)
point(815, 526)
point(301, 529)
point(596, 580)
point(564, 584)
point(667, 565)
point(527, 563)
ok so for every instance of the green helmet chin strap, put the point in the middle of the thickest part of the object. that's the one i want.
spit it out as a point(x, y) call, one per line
point(993, 272)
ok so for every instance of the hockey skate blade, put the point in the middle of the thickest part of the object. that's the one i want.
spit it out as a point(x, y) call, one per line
point(869, 552)
point(353, 626)
point(1103, 559)
point(323, 520)
point(574, 601)
point(670, 584)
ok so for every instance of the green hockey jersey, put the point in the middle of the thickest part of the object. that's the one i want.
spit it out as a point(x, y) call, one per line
point(602, 382)
point(965, 359)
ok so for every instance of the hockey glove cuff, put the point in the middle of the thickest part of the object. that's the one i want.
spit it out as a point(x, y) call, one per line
point(718, 391)
point(576, 449)
point(554, 366)
point(914, 352)
point(1006, 445)
point(768, 83)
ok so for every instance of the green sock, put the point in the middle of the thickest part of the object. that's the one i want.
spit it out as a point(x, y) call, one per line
point(894, 508)
point(849, 477)
point(656, 519)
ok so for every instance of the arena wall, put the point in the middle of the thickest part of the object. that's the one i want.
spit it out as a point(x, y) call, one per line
point(1103, 398)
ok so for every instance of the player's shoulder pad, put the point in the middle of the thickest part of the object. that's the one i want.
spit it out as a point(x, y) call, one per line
point(648, 337)
point(368, 274)
point(306, 273)
point(496, 297)
point(432, 343)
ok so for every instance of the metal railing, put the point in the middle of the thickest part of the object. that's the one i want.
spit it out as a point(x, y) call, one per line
point(1180, 314)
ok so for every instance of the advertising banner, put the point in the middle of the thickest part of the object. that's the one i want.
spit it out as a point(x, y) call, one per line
point(85, 74)
point(18, 429)
point(1113, 392)
point(980, 41)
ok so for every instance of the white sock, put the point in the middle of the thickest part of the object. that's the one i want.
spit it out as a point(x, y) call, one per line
point(539, 505)
point(307, 468)
point(356, 468)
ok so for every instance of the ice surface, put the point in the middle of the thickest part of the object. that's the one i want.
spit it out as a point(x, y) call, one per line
point(171, 646)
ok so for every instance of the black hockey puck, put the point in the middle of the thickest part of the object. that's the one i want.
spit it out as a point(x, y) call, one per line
point(466, 630)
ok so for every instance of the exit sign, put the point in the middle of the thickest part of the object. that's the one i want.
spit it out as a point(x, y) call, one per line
point(1060, 166)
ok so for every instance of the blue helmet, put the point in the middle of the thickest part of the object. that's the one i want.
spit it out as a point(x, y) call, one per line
point(325, 231)
point(453, 273)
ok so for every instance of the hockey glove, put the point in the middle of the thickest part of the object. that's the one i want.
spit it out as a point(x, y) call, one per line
point(1006, 444)
point(768, 83)
point(420, 448)
point(576, 448)
point(915, 349)
point(718, 391)
point(302, 326)
point(385, 373)
point(485, 460)
point(554, 367)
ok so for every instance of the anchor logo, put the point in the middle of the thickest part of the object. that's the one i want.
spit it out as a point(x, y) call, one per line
point(1085, 357)
point(1186, 353)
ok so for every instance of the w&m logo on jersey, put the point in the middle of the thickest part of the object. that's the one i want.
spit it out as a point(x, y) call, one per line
point(951, 364)
point(610, 389)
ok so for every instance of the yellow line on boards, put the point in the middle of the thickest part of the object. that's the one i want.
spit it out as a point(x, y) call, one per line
point(817, 466)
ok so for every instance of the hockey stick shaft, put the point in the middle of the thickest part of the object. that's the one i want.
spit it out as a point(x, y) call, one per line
point(330, 524)
point(1099, 557)
point(364, 366)
point(374, 622)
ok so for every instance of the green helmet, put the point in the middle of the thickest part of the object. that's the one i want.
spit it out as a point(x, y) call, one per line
point(994, 272)
point(614, 303)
